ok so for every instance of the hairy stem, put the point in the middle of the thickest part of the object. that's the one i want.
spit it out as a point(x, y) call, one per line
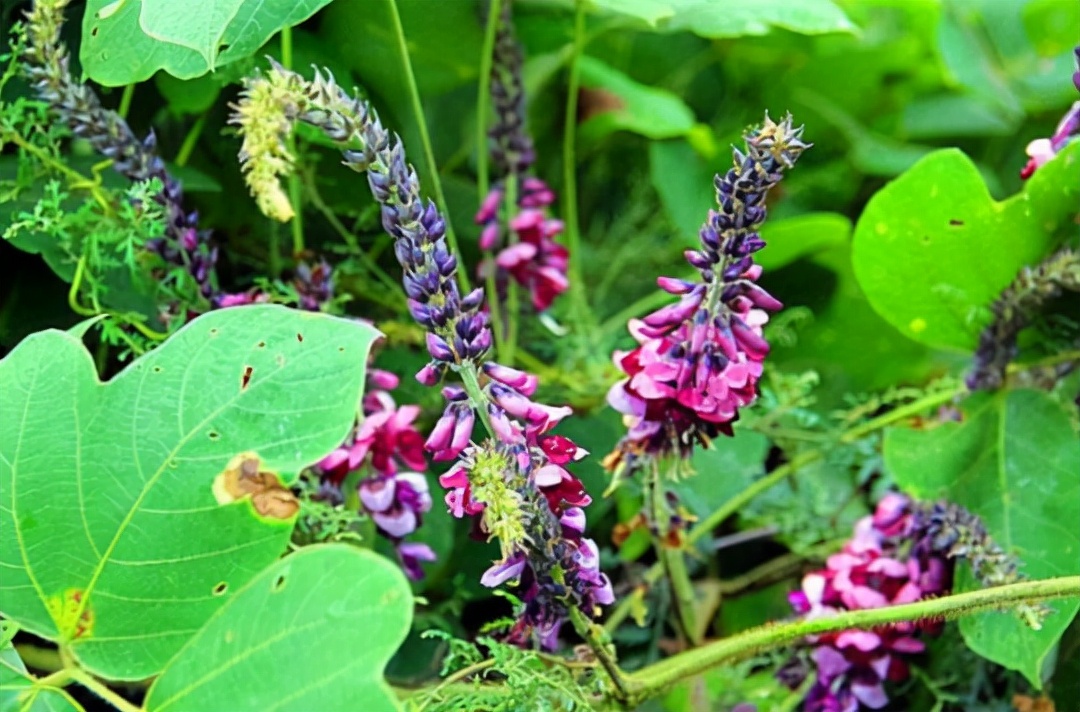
point(425, 140)
point(594, 636)
point(653, 679)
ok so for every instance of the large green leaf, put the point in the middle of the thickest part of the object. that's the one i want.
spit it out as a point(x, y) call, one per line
point(312, 632)
point(932, 249)
point(114, 541)
point(651, 112)
point(1014, 460)
point(126, 41)
point(732, 18)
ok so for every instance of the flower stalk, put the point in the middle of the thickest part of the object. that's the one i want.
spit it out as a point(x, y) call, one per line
point(514, 481)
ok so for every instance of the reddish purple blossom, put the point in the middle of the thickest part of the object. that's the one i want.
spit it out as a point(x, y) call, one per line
point(699, 360)
point(530, 256)
point(878, 567)
point(384, 442)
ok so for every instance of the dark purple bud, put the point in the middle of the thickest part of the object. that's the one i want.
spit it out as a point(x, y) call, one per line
point(438, 348)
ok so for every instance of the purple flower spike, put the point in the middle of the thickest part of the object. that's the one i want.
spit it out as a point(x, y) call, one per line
point(698, 361)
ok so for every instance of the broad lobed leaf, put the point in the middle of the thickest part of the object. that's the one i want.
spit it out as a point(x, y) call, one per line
point(1014, 460)
point(314, 631)
point(113, 540)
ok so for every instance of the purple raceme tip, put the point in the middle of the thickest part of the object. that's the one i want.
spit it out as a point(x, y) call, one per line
point(698, 360)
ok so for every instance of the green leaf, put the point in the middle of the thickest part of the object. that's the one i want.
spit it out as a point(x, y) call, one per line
point(723, 471)
point(126, 41)
point(192, 96)
point(289, 639)
point(847, 343)
point(1012, 460)
point(654, 113)
point(932, 249)
point(17, 688)
point(1051, 25)
point(732, 18)
point(684, 181)
point(798, 237)
point(115, 542)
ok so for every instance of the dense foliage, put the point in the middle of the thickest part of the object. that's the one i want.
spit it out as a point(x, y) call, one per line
point(588, 354)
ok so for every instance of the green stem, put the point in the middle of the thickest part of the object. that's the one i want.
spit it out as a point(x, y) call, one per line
point(425, 140)
point(594, 636)
point(513, 289)
point(706, 525)
point(470, 378)
point(98, 688)
point(190, 140)
point(125, 101)
point(671, 559)
point(483, 98)
point(296, 225)
point(651, 680)
point(577, 296)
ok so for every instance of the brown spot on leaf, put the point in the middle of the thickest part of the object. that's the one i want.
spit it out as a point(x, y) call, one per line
point(593, 102)
point(72, 613)
point(245, 378)
point(244, 477)
point(220, 589)
point(299, 337)
point(956, 223)
point(262, 344)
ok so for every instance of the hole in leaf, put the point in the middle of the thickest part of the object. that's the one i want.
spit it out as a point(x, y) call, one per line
point(214, 435)
point(279, 583)
point(956, 223)
point(93, 32)
point(299, 337)
point(245, 378)
point(223, 48)
point(220, 589)
point(262, 344)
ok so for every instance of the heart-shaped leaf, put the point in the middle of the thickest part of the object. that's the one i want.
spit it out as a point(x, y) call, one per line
point(932, 249)
point(1014, 460)
point(312, 632)
point(116, 540)
point(126, 41)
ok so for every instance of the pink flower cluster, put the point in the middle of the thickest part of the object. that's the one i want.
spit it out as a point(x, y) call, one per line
point(530, 257)
point(549, 526)
point(688, 369)
point(874, 569)
point(698, 360)
point(383, 441)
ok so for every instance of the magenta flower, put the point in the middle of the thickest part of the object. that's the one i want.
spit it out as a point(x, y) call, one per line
point(530, 257)
point(384, 441)
point(876, 568)
point(698, 360)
